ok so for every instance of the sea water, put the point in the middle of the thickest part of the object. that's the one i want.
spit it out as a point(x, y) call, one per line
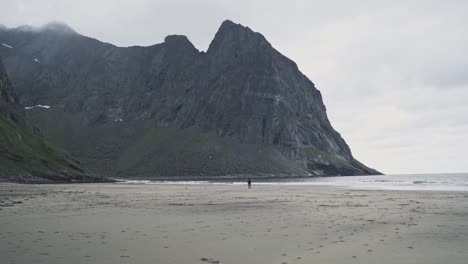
point(435, 182)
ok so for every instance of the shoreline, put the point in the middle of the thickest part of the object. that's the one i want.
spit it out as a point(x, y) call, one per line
point(415, 182)
point(201, 183)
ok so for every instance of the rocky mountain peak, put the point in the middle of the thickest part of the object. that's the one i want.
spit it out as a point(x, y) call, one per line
point(55, 27)
point(229, 26)
point(25, 28)
point(178, 41)
point(58, 27)
point(232, 36)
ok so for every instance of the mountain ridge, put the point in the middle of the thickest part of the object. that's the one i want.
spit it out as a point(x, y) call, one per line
point(241, 89)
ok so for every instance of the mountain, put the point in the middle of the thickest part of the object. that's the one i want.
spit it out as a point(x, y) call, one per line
point(24, 154)
point(170, 110)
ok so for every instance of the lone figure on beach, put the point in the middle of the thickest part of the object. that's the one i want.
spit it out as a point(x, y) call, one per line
point(249, 183)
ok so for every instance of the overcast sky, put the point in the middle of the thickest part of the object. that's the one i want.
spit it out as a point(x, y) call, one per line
point(393, 74)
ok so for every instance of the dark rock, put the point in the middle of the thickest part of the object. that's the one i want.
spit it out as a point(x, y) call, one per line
point(10, 108)
point(242, 92)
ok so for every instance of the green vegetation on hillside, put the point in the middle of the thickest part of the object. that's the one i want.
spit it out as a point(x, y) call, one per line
point(319, 155)
point(24, 152)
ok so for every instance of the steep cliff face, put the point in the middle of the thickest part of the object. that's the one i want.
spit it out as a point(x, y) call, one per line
point(241, 91)
point(24, 154)
point(277, 102)
point(10, 108)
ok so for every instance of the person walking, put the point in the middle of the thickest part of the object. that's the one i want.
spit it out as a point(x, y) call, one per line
point(249, 183)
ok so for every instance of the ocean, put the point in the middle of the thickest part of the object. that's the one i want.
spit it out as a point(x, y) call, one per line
point(428, 182)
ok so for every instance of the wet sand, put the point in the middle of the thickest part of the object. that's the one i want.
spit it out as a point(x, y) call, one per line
point(117, 223)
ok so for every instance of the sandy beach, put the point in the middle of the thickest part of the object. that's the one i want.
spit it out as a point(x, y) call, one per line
point(124, 223)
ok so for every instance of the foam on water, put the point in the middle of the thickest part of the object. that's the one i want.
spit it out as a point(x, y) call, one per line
point(429, 182)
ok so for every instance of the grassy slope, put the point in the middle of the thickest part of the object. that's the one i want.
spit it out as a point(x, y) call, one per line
point(173, 152)
point(139, 149)
point(25, 155)
point(321, 162)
